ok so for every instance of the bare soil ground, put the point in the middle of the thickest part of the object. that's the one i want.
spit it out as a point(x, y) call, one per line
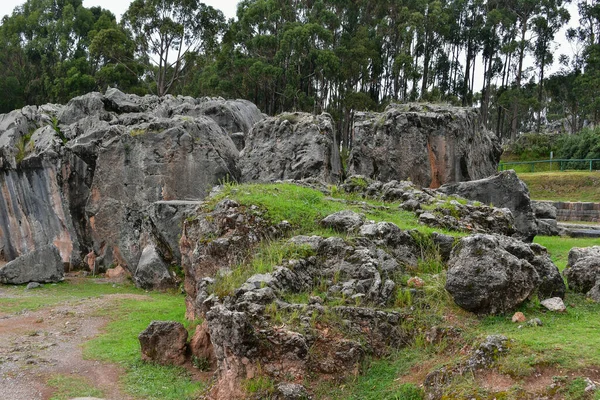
point(36, 345)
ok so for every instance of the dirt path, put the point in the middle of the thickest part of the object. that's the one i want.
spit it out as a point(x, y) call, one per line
point(37, 345)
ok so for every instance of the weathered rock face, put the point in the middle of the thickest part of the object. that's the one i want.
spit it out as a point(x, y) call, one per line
point(493, 274)
point(110, 175)
point(583, 271)
point(291, 146)
point(429, 144)
point(41, 265)
point(505, 190)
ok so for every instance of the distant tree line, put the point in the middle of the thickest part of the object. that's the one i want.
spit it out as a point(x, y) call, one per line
point(337, 56)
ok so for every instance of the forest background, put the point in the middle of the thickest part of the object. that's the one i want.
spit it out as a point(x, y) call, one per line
point(335, 56)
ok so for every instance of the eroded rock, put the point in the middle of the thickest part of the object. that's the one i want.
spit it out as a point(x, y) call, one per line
point(504, 190)
point(41, 265)
point(164, 343)
point(291, 146)
point(429, 144)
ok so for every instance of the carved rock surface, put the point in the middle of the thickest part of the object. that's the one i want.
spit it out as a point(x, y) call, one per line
point(430, 144)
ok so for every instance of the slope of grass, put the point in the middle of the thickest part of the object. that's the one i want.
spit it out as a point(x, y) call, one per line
point(563, 186)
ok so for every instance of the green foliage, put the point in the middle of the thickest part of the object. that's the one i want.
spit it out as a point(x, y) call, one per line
point(201, 363)
point(67, 387)
point(24, 146)
point(532, 146)
point(260, 385)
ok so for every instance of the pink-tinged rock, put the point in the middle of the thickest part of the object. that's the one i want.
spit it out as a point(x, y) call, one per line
point(415, 282)
point(116, 273)
point(519, 317)
point(201, 346)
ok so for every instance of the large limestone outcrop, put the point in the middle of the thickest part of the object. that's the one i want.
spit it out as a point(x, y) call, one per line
point(108, 176)
point(291, 146)
point(426, 143)
point(504, 190)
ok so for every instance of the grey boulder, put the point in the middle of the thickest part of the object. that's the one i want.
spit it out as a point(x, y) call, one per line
point(503, 190)
point(41, 265)
point(484, 278)
point(291, 146)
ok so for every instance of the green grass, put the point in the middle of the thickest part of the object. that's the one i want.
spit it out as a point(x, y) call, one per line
point(67, 387)
point(378, 380)
point(119, 344)
point(304, 207)
point(569, 340)
point(17, 299)
point(559, 247)
point(563, 186)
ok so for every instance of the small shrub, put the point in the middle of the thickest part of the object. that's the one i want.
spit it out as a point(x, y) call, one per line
point(201, 363)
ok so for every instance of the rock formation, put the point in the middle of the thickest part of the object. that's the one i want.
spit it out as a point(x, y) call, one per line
point(291, 146)
point(583, 271)
point(504, 190)
point(108, 178)
point(494, 274)
point(426, 143)
point(325, 306)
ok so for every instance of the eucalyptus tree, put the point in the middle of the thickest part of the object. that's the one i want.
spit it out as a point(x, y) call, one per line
point(167, 31)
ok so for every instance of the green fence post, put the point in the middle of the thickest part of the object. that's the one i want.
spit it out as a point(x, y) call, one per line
point(590, 165)
point(532, 167)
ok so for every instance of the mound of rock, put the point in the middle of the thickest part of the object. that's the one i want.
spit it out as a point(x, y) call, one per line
point(503, 190)
point(494, 274)
point(291, 146)
point(583, 271)
point(92, 177)
point(430, 144)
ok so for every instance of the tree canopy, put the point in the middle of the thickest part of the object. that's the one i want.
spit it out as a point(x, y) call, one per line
point(315, 55)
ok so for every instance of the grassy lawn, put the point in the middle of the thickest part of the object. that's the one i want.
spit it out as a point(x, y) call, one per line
point(119, 343)
point(563, 186)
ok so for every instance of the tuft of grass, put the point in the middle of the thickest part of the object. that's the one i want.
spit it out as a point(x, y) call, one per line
point(67, 387)
point(268, 255)
point(260, 385)
point(24, 146)
point(563, 186)
point(379, 380)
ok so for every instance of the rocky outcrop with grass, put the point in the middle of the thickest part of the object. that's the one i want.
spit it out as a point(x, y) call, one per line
point(429, 144)
point(291, 146)
point(583, 271)
point(503, 190)
point(109, 178)
point(298, 283)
